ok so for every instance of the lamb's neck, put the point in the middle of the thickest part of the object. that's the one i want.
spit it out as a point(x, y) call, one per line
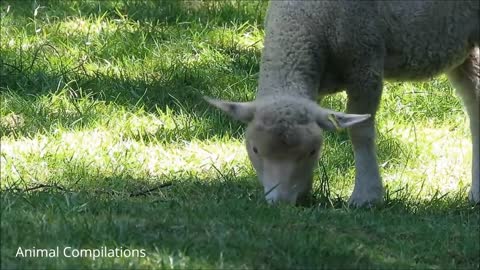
point(288, 71)
point(290, 59)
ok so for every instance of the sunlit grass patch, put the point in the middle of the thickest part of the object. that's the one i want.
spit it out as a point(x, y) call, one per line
point(244, 36)
point(440, 161)
point(104, 153)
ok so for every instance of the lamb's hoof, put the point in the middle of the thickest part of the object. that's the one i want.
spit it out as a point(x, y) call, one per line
point(366, 199)
point(474, 197)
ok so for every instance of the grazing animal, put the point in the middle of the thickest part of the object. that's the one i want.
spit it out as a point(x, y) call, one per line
point(315, 48)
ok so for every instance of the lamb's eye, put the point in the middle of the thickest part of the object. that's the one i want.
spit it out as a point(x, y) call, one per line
point(312, 152)
point(255, 150)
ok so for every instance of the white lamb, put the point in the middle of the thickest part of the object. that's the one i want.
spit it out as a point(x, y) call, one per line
point(314, 48)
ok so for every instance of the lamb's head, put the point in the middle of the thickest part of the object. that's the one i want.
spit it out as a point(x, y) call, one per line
point(284, 139)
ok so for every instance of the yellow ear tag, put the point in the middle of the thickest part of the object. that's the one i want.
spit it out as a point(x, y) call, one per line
point(334, 121)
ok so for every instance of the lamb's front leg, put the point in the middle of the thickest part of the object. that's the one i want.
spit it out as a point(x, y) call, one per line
point(364, 97)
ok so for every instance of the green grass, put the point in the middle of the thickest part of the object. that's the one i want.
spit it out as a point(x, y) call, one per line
point(101, 101)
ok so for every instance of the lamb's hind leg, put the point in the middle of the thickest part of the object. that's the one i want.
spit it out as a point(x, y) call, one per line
point(466, 80)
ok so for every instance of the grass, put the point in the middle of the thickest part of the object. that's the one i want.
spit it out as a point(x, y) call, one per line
point(101, 104)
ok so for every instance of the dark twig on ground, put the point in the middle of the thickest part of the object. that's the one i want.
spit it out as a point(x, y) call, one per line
point(39, 186)
point(145, 192)
point(110, 192)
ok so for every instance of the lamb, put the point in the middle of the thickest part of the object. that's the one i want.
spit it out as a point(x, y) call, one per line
point(315, 48)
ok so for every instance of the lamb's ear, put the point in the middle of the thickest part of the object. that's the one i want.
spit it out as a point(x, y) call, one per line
point(332, 120)
point(243, 111)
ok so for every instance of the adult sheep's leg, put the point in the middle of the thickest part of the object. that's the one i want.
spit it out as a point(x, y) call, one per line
point(363, 98)
point(466, 80)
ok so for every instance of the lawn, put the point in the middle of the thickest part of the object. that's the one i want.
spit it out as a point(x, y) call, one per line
point(107, 143)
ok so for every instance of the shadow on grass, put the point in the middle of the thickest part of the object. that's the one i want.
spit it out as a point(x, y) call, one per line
point(32, 75)
point(180, 90)
point(194, 221)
